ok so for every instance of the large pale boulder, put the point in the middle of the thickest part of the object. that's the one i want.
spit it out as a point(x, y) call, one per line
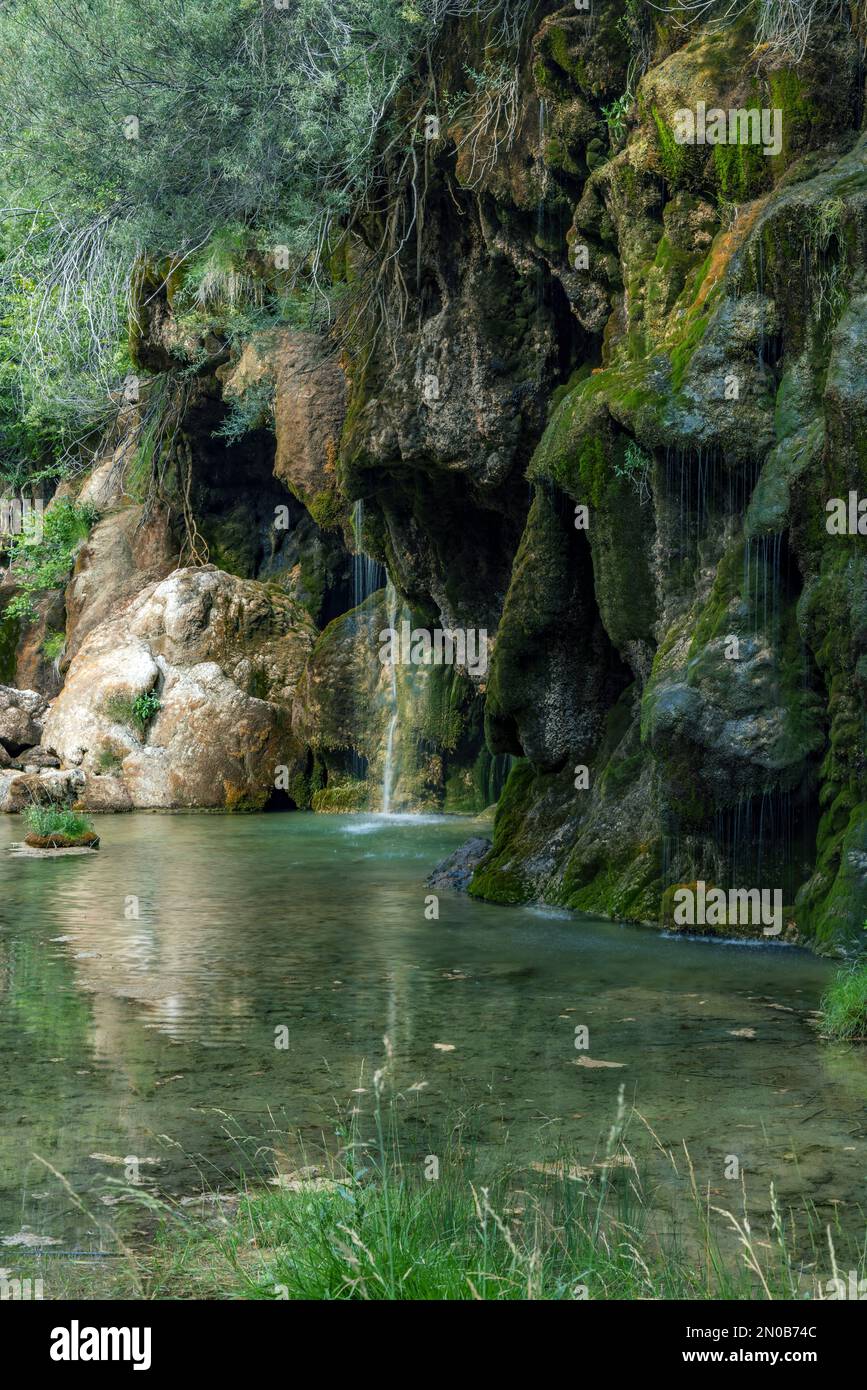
point(223, 656)
point(21, 715)
point(50, 787)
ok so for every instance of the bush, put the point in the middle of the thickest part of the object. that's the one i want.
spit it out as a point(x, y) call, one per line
point(636, 468)
point(844, 1006)
point(201, 145)
point(144, 707)
point(43, 562)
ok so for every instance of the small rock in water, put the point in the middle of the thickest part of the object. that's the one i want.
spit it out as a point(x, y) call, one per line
point(457, 870)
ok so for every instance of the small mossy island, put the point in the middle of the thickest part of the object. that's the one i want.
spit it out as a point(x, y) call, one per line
point(54, 828)
point(433, 443)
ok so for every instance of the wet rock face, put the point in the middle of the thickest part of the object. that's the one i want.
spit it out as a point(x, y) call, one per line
point(222, 658)
point(309, 407)
point(408, 734)
point(677, 651)
point(475, 335)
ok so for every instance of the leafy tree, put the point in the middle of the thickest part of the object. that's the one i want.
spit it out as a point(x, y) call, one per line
point(197, 143)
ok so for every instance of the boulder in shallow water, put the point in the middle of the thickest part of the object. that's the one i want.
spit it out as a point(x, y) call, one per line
point(457, 870)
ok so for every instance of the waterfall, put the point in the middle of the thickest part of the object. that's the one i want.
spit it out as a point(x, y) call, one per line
point(368, 575)
point(388, 771)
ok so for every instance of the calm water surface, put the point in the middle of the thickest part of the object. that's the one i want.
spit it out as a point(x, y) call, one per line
point(155, 1036)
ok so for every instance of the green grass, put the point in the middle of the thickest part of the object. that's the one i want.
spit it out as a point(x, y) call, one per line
point(52, 646)
point(109, 761)
point(136, 711)
point(55, 820)
point(375, 1224)
point(844, 1006)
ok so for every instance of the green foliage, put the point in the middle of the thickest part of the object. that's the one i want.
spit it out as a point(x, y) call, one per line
point(56, 820)
point(43, 562)
point(109, 761)
point(844, 1005)
point(615, 116)
point(144, 707)
point(249, 410)
point(136, 711)
point(213, 149)
point(53, 645)
point(635, 466)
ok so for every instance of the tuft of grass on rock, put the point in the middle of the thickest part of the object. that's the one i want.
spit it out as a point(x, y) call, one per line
point(48, 822)
point(134, 711)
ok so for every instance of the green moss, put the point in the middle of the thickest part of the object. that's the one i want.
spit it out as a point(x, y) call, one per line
point(556, 45)
point(498, 878)
point(713, 619)
point(10, 629)
point(327, 509)
point(681, 355)
point(241, 801)
point(801, 115)
point(742, 171)
point(672, 156)
point(592, 468)
point(340, 796)
point(625, 891)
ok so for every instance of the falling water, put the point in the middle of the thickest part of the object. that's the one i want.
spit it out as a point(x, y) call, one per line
point(368, 575)
point(388, 771)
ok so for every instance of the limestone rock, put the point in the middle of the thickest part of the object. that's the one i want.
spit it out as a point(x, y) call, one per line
point(309, 409)
point(123, 553)
point(21, 716)
point(223, 656)
point(46, 788)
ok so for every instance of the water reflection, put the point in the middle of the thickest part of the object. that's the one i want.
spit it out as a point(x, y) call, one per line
point(142, 987)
